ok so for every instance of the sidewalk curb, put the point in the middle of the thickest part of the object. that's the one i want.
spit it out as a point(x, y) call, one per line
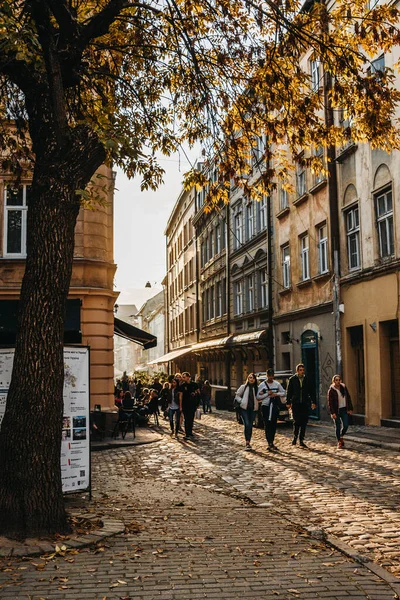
point(363, 440)
point(121, 444)
point(110, 528)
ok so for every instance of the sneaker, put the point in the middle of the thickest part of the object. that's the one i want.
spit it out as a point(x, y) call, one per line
point(341, 441)
point(303, 445)
point(294, 441)
point(248, 447)
point(274, 447)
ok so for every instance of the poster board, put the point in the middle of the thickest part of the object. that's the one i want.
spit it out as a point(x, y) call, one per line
point(75, 444)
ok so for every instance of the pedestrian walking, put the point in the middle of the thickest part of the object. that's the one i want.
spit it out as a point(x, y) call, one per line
point(206, 396)
point(174, 412)
point(299, 397)
point(246, 395)
point(271, 394)
point(189, 398)
point(340, 407)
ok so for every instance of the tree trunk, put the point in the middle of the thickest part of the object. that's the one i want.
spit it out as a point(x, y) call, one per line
point(31, 499)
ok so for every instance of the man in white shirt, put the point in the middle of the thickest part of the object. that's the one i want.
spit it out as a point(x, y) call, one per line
point(271, 393)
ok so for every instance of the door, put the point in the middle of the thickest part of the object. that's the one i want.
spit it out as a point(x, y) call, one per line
point(309, 353)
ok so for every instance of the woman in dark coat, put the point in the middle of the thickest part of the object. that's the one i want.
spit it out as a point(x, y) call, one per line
point(340, 407)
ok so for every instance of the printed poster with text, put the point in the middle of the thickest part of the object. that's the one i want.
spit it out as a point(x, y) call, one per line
point(75, 450)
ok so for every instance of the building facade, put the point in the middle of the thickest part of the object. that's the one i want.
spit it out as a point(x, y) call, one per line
point(90, 316)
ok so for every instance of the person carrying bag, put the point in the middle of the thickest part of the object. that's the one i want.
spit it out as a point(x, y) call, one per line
point(246, 398)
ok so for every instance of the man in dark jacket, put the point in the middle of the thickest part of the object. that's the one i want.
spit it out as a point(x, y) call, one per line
point(299, 397)
point(189, 398)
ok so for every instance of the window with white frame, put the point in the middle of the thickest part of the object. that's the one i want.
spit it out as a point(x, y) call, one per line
point(258, 149)
point(250, 293)
point(218, 245)
point(238, 230)
point(384, 221)
point(250, 225)
point(315, 70)
point(284, 198)
point(238, 297)
point(263, 289)
point(16, 199)
point(286, 266)
point(323, 248)
point(353, 238)
point(301, 187)
point(262, 205)
point(305, 258)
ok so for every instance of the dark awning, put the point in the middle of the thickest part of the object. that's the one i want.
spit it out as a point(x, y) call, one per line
point(134, 334)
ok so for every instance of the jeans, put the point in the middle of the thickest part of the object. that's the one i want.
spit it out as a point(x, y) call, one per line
point(300, 420)
point(206, 403)
point(269, 425)
point(248, 418)
point(188, 413)
point(177, 413)
point(342, 418)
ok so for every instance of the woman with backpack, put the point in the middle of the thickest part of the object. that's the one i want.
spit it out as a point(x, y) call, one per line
point(246, 397)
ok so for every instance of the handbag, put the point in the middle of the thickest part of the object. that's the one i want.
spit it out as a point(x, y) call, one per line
point(237, 401)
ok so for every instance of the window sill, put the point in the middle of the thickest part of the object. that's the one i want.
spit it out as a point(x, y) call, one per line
point(321, 276)
point(318, 186)
point(300, 199)
point(285, 291)
point(304, 283)
point(282, 213)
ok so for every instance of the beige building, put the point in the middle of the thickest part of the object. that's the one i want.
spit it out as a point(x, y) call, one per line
point(90, 316)
point(370, 285)
point(180, 289)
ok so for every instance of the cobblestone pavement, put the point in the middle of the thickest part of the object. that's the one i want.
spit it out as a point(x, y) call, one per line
point(353, 494)
point(201, 522)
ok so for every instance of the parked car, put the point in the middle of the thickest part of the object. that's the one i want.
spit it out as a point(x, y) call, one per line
point(285, 414)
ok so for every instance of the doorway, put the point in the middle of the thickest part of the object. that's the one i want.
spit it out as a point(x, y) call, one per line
point(309, 355)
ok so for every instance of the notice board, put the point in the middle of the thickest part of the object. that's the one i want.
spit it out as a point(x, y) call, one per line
point(75, 444)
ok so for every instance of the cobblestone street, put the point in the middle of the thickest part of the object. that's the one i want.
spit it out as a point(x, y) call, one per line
point(205, 519)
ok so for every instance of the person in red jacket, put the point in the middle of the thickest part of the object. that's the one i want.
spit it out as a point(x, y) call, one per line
point(340, 407)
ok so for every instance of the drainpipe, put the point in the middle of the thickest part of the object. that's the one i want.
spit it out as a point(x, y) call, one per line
point(270, 342)
point(334, 224)
point(227, 297)
point(197, 287)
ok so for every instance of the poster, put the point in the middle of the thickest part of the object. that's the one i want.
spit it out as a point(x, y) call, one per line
point(75, 444)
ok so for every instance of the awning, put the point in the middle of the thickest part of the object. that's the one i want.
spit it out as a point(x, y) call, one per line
point(134, 334)
point(212, 344)
point(254, 337)
point(170, 356)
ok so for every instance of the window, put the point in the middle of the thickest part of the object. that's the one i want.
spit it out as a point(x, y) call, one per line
point(250, 221)
point(286, 266)
point(212, 304)
point(238, 230)
point(319, 153)
point(315, 69)
point(204, 305)
point(218, 238)
point(301, 180)
point(384, 217)
point(263, 289)
point(211, 245)
point(250, 293)
point(15, 217)
point(218, 298)
point(262, 205)
point(353, 238)
point(378, 65)
point(238, 298)
point(224, 303)
point(305, 258)
point(258, 149)
point(323, 249)
point(284, 199)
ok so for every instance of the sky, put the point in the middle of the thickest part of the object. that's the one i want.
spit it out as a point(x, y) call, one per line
point(140, 219)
